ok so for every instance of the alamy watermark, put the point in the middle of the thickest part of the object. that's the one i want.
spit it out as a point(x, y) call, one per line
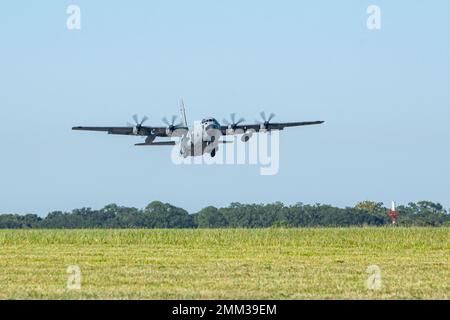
point(74, 277)
point(374, 280)
point(73, 21)
point(374, 20)
point(238, 148)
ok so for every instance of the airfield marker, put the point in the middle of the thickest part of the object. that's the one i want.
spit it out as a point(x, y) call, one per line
point(393, 213)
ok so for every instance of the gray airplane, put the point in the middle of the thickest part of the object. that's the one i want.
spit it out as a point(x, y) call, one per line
point(200, 138)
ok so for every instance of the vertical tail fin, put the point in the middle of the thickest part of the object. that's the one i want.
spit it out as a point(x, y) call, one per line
point(183, 113)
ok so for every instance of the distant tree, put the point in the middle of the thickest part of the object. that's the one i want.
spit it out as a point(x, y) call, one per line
point(164, 215)
point(376, 209)
point(236, 215)
point(125, 217)
point(55, 219)
point(424, 213)
point(210, 217)
point(31, 221)
point(370, 206)
point(15, 221)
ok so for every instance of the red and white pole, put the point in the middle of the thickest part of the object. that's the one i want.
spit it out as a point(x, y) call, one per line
point(393, 213)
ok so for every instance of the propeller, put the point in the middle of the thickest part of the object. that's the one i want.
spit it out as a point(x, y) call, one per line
point(137, 124)
point(171, 125)
point(266, 121)
point(233, 123)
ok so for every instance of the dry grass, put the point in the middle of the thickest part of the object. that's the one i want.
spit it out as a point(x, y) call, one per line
point(226, 264)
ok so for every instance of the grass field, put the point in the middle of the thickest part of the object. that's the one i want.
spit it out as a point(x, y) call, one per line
point(226, 264)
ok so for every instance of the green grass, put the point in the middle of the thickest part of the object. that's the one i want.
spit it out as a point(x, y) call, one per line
point(226, 264)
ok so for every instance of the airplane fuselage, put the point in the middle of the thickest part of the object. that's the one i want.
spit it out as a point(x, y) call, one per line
point(202, 138)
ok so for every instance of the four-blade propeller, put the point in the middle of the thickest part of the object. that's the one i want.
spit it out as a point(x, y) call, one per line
point(233, 123)
point(137, 126)
point(266, 121)
point(171, 124)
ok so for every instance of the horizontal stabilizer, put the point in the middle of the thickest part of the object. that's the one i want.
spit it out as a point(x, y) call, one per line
point(160, 143)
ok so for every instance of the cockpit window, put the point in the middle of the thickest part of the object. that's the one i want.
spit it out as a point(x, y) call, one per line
point(209, 120)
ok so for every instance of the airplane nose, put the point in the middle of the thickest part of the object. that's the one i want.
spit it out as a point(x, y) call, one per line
point(210, 129)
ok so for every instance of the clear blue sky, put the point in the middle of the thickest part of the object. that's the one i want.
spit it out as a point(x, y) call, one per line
point(384, 95)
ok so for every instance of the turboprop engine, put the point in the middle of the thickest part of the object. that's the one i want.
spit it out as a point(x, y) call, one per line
point(247, 135)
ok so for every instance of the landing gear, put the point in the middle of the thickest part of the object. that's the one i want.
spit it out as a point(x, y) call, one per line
point(213, 153)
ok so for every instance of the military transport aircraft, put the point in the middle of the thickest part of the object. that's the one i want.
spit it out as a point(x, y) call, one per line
point(199, 139)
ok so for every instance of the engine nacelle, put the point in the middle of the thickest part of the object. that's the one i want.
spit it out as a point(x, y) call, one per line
point(246, 136)
point(262, 128)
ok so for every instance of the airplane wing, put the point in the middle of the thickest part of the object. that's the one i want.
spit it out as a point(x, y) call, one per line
point(110, 130)
point(137, 131)
point(237, 129)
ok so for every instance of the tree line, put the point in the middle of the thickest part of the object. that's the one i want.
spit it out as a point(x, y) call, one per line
point(236, 215)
